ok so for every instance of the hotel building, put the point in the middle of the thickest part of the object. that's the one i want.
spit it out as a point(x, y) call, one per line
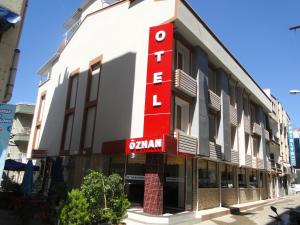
point(145, 89)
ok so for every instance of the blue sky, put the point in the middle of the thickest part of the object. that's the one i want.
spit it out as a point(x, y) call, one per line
point(255, 31)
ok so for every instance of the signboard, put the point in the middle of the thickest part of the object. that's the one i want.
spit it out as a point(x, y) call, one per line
point(145, 145)
point(291, 146)
point(157, 116)
point(7, 113)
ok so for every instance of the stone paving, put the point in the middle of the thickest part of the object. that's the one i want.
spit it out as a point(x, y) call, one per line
point(259, 215)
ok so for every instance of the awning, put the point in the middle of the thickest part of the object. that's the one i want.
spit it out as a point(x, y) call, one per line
point(7, 19)
point(13, 165)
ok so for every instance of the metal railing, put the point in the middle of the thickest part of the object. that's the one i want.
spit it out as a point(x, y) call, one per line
point(214, 101)
point(186, 143)
point(233, 116)
point(185, 83)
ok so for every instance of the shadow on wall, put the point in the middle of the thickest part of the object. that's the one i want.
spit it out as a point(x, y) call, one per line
point(114, 109)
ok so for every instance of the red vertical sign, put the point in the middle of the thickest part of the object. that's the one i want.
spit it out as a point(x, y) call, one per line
point(159, 81)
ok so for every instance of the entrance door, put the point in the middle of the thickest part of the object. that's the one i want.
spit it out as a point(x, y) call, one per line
point(135, 179)
point(178, 186)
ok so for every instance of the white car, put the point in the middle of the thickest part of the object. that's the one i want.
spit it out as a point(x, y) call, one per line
point(296, 188)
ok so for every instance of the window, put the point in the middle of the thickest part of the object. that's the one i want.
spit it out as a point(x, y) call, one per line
point(213, 127)
point(40, 113)
point(212, 80)
point(253, 182)
point(92, 91)
point(245, 106)
point(182, 115)
point(69, 112)
point(183, 57)
point(252, 114)
point(242, 177)
point(232, 95)
point(227, 176)
point(208, 177)
point(255, 146)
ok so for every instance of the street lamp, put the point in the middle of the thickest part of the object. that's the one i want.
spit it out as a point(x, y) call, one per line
point(294, 92)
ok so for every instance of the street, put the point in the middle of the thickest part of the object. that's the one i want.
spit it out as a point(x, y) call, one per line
point(258, 215)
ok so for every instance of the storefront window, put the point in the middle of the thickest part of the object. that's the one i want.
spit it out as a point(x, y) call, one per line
point(227, 176)
point(242, 177)
point(208, 177)
point(253, 182)
point(117, 164)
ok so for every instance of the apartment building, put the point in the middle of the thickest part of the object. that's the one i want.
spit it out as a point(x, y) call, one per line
point(145, 89)
point(279, 149)
point(12, 13)
point(18, 144)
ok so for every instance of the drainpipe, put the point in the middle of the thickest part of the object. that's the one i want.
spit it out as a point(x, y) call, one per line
point(13, 69)
point(12, 76)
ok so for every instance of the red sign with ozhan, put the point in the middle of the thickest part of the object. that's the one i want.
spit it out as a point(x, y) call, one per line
point(157, 117)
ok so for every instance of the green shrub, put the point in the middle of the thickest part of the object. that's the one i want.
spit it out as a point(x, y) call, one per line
point(74, 211)
point(105, 196)
point(101, 199)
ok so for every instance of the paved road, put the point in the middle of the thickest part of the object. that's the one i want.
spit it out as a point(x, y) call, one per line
point(257, 216)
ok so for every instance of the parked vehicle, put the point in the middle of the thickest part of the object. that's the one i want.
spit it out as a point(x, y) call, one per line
point(289, 218)
point(295, 188)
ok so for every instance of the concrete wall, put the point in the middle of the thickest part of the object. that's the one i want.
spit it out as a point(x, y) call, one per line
point(208, 198)
point(229, 196)
point(249, 194)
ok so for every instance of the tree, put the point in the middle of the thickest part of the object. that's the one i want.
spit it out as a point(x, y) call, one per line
point(74, 211)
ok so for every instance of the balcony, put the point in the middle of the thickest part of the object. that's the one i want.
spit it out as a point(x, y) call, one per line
point(234, 156)
point(21, 134)
point(248, 160)
point(273, 166)
point(260, 164)
point(233, 116)
point(254, 162)
point(267, 135)
point(256, 129)
point(185, 143)
point(214, 101)
point(185, 83)
point(269, 167)
point(215, 151)
point(247, 125)
point(278, 168)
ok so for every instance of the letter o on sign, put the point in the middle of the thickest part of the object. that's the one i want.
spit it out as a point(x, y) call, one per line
point(160, 36)
point(132, 145)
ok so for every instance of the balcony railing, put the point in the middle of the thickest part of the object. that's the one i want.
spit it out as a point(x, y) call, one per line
point(260, 164)
point(215, 151)
point(233, 116)
point(21, 134)
point(214, 101)
point(185, 83)
point(248, 160)
point(247, 125)
point(21, 131)
point(256, 129)
point(278, 167)
point(254, 162)
point(186, 143)
point(234, 156)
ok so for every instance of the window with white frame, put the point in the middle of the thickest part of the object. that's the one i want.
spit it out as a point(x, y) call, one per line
point(183, 57)
point(182, 115)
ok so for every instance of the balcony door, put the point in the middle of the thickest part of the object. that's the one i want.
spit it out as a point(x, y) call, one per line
point(182, 115)
point(183, 57)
